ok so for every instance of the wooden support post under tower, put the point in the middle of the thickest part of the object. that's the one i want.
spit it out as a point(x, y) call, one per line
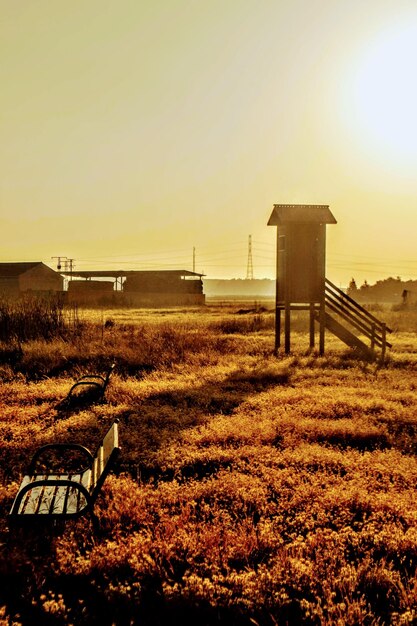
point(287, 328)
point(277, 329)
point(384, 342)
point(322, 318)
point(311, 326)
point(277, 314)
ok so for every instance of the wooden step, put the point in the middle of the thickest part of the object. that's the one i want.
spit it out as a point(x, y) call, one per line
point(347, 337)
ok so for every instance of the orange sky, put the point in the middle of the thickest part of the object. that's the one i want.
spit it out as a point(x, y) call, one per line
point(133, 131)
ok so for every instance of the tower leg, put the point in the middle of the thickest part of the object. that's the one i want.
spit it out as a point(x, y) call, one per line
point(287, 328)
point(311, 326)
point(277, 329)
point(322, 328)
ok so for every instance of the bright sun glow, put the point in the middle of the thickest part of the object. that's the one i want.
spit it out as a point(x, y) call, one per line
point(385, 95)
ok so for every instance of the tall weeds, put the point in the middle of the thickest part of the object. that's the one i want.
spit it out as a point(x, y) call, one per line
point(35, 318)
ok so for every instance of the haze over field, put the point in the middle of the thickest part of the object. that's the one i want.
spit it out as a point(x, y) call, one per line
point(131, 132)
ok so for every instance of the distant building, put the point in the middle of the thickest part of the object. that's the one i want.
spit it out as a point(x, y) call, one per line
point(91, 291)
point(36, 277)
point(164, 288)
point(137, 288)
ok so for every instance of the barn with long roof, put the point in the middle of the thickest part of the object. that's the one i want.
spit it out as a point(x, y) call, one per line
point(28, 277)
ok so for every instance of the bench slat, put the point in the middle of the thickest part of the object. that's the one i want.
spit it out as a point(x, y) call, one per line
point(94, 472)
point(100, 457)
point(75, 499)
point(47, 498)
point(25, 481)
point(110, 442)
point(72, 500)
point(98, 466)
point(30, 502)
point(57, 501)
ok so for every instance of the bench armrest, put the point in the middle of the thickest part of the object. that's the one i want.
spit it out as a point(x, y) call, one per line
point(50, 482)
point(90, 376)
point(88, 383)
point(60, 446)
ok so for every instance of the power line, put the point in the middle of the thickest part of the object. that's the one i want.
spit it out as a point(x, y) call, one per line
point(227, 257)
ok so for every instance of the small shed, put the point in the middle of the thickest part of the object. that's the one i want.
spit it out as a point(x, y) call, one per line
point(301, 259)
point(35, 277)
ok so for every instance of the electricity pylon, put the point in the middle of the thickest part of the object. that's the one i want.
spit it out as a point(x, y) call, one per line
point(249, 270)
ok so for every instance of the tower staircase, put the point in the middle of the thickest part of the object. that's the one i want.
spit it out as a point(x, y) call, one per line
point(341, 309)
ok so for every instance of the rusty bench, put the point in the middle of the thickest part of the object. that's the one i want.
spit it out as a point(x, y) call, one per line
point(93, 385)
point(49, 495)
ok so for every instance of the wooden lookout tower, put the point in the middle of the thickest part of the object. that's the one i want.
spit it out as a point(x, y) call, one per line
point(302, 285)
point(301, 258)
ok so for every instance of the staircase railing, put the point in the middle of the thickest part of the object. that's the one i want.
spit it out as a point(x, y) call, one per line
point(357, 316)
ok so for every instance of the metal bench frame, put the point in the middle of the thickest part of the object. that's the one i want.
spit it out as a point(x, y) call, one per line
point(69, 495)
point(97, 381)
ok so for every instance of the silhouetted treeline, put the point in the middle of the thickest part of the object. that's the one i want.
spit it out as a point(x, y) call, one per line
point(391, 290)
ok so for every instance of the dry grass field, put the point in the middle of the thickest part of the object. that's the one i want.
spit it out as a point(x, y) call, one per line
point(252, 489)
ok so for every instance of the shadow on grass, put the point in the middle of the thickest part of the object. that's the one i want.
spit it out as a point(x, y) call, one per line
point(162, 416)
point(224, 397)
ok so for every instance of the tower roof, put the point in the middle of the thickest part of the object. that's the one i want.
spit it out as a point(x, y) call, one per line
point(301, 213)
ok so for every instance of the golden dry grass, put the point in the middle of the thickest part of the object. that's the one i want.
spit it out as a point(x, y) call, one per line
point(251, 489)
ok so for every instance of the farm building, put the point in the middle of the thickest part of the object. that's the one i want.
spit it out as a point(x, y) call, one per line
point(36, 277)
point(164, 288)
point(139, 288)
point(90, 291)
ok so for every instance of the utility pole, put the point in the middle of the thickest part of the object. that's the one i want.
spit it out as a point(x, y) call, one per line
point(249, 270)
point(193, 259)
point(69, 265)
point(59, 261)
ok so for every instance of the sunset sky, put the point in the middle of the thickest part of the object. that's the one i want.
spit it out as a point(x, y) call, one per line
point(132, 131)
